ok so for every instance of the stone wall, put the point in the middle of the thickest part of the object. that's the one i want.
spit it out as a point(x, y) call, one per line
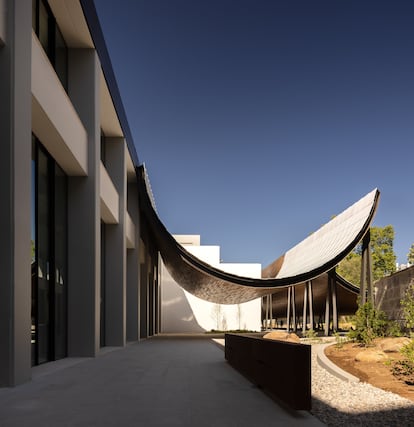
point(389, 291)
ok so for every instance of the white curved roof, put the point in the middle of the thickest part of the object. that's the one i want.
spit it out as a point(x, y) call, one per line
point(329, 241)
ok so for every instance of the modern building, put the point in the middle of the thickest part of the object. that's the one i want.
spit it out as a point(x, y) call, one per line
point(79, 236)
point(78, 271)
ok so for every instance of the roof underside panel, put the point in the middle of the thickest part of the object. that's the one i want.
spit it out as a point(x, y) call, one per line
point(311, 258)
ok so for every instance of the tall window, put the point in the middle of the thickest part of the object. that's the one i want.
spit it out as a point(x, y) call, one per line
point(50, 37)
point(49, 257)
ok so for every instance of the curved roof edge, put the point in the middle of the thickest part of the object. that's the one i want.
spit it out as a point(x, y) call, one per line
point(214, 285)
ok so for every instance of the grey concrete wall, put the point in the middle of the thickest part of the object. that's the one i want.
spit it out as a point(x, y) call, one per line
point(3, 15)
point(115, 248)
point(143, 291)
point(133, 274)
point(15, 190)
point(391, 290)
point(84, 244)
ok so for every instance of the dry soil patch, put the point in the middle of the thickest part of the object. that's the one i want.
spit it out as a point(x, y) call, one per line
point(377, 374)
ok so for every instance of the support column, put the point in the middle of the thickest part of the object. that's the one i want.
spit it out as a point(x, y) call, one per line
point(156, 294)
point(288, 309)
point(310, 296)
point(363, 280)
point(143, 297)
point(271, 311)
point(115, 248)
point(331, 309)
point(332, 276)
point(328, 308)
point(293, 308)
point(150, 303)
point(305, 314)
point(84, 219)
point(133, 275)
point(366, 292)
point(15, 190)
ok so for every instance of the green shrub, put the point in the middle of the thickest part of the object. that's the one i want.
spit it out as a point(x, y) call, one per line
point(370, 323)
point(394, 329)
point(340, 340)
point(408, 352)
point(311, 335)
point(407, 304)
point(404, 369)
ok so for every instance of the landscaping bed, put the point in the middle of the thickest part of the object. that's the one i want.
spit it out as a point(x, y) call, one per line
point(373, 364)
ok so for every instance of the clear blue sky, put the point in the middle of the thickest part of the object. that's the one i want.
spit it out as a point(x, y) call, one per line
point(260, 119)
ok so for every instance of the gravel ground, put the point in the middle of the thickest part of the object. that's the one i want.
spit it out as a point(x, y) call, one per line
point(340, 403)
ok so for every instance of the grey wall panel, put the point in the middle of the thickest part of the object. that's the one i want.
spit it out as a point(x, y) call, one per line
point(15, 190)
point(84, 212)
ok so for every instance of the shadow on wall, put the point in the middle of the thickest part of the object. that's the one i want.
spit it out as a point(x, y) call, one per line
point(176, 313)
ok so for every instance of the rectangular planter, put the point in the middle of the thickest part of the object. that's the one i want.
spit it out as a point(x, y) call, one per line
point(281, 369)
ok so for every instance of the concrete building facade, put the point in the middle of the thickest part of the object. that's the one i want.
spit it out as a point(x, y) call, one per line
point(77, 265)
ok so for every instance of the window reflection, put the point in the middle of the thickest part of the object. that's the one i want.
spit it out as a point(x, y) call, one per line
point(49, 257)
point(51, 38)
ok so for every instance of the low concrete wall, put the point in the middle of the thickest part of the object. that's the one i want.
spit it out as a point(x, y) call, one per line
point(391, 290)
point(281, 369)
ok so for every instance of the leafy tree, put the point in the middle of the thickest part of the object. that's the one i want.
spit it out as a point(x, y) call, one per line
point(407, 304)
point(383, 256)
point(350, 268)
point(410, 255)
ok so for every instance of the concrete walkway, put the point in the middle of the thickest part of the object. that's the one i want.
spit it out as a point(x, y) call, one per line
point(157, 382)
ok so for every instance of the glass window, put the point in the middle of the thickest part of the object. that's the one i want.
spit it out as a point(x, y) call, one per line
point(49, 257)
point(43, 257)
point(43, 29)
point(51, 38)
point(103, 148)
point(102, 305)
point(33, 250)
point(34, 15)
point(61, 58)
point(60, 267)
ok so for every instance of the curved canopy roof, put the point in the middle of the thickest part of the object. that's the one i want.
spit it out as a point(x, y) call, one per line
point(315, 255)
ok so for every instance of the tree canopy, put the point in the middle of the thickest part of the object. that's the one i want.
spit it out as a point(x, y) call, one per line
point(410, 255)
point(350, 268)
point(383, 256)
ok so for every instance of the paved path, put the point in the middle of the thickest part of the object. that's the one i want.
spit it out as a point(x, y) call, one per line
point(158, 382)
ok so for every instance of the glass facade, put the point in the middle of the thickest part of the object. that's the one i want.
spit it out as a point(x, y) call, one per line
point(49, 257)
point(60, 263)
point(102, 302)
point(50, 37)
point(43, 257)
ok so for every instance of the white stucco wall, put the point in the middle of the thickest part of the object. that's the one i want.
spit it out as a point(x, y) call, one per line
point(183, 312)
